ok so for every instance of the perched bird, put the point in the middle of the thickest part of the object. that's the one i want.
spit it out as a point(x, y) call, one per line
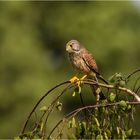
point(82, 60)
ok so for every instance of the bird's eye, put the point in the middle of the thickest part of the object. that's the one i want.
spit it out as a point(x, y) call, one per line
point(70, 45)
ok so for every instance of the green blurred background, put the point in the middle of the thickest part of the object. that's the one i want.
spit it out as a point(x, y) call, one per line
point(32, 48)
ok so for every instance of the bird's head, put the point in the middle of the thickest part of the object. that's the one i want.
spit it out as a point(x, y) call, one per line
point(73, 46)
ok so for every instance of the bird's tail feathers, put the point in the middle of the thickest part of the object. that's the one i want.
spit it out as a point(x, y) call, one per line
point(101, 78)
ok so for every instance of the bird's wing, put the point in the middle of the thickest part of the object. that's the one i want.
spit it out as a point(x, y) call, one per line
point(89, 60)
point(91, 63)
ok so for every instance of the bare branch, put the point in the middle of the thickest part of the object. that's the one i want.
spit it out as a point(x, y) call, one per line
point(134, 72)
point(124, 89)
point(36, 105)
point(52, 106)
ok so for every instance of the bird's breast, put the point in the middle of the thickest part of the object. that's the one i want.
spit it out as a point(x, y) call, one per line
point(78, 63)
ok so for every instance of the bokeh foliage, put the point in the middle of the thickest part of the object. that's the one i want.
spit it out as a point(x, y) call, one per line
point(32, 48)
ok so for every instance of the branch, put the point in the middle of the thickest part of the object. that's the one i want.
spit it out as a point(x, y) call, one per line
point(134, 72)
point(76, 111)
point(73, 113)
point(50, 108)
point(36, 105)
point(124, 89)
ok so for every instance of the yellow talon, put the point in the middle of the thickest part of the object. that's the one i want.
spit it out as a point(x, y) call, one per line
point(83, 77)
point(74, 79)
point(77, 80)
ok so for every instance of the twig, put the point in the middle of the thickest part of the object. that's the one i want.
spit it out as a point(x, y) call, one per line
point(36, 105)
point(137, 89)
point(52, 106)
point(73, 113)
point(82, 102)
point(76, 111)
point(134, 72)
point(135, 84)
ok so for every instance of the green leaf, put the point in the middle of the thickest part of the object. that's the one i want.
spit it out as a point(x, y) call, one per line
point(116, 78)
point(106, 111)
point(104, 122)
point(59, 106)
point(98, 90)
point(73, 122)
point(129, 107)
point(108, 132)
point(122, 83)
point(97, 122)
point(73, 94)
point(123, 135)
point(105, 135)
point(118, 75)
point(71, 136)
point(129, 132)
point(112, 79)
point(41, 126)
point(17, 138)
point(70, 124)
point(83, 125)
point(43, 108)
point(79, 89)
point(76, 90)
point(123, 103)
point(99, 137)
point(112, 96)
point(118, 130)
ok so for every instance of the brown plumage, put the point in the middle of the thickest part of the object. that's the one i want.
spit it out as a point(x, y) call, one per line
point(83, 61)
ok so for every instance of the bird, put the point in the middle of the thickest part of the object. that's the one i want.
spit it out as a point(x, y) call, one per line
point(83, 61)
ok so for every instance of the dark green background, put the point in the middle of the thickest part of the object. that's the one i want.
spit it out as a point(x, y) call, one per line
point(32, 48)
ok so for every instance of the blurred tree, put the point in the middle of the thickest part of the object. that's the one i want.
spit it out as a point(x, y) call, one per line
point(32, 48)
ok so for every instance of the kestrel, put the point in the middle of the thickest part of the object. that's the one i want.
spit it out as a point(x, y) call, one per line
point(82, 60)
